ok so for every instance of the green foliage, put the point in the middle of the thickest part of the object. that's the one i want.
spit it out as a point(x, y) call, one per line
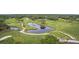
point(7, 41)
point(12, 22)
point(49, 39)
point(60, 35)
point(61, 20)
point(1, 21)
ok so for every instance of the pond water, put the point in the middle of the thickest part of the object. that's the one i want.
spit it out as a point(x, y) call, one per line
point(34, 25)
point(39, 30)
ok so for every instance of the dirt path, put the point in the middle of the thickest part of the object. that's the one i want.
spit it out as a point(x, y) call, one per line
point(72, 40)
point(5, 37)
point(33, 33)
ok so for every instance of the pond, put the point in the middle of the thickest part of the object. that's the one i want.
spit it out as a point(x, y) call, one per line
point(39, 30)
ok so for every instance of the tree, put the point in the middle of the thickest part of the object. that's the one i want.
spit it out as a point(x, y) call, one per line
point(11, 22)
point(43, 23)
point(49, 39)
point(1, 21)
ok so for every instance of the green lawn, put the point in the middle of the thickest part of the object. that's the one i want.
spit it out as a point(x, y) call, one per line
point(71, 28)
point(18, 37)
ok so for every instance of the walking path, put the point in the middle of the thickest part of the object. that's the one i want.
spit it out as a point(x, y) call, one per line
point(5, 37)
point(72, 40)
point(68, 35)
point(33, 33)
point(68, 41)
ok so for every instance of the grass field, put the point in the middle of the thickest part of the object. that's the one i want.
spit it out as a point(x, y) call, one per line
point(18, 37)
point(71, 28)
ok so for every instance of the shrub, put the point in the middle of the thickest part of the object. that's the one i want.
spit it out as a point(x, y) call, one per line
point(49, 39)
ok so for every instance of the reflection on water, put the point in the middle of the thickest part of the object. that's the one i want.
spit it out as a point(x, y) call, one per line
point(39, 30)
